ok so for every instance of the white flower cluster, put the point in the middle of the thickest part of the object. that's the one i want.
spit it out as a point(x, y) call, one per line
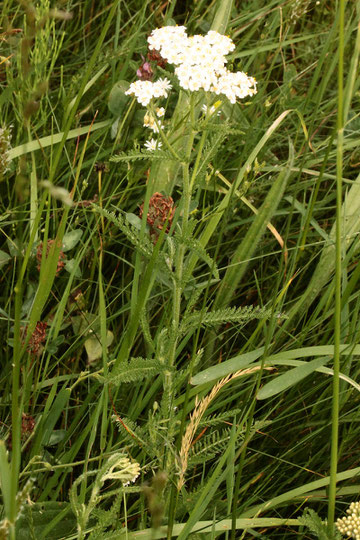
point(350, 525)
point(200, 61)
point(199, 64)
point(127, 472)
point(145, 91)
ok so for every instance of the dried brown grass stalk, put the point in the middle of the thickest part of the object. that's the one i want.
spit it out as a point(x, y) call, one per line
point(196, 416)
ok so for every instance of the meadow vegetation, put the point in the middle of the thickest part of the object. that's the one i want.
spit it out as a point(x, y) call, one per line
point(179, 315)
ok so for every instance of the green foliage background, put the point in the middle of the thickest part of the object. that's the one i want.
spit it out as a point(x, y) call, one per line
point(251, 296)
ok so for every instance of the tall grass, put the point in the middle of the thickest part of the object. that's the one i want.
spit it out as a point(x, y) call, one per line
point(202, 357)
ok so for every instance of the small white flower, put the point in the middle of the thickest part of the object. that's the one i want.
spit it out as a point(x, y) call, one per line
point(161, 87)
point(160, 111)
point(152, 145)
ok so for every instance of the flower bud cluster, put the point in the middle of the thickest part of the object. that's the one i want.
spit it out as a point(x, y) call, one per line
point(151, 123)
point(350, 525)
point(199, 65)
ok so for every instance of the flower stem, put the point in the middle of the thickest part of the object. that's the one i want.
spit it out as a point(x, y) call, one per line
point(178, 287)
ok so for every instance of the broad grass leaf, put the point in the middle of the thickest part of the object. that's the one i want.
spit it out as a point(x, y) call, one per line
point(229, 366)
point(290, 378)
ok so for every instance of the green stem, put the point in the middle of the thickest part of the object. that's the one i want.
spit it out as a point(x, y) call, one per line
point(337, 316)
point(163, 137)
point(33, 189)
point(179, 265)
point(198, 158)
point(178, 290)
point(15, 413)
point(125, 516)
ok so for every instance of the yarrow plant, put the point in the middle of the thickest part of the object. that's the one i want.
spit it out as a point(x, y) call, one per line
point(200, 64)
point(191, 140)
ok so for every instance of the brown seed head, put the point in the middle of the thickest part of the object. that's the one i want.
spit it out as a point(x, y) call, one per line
point(37, 339)
point(161, 210)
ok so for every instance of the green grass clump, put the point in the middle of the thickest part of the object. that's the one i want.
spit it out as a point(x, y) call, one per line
point(179, 327)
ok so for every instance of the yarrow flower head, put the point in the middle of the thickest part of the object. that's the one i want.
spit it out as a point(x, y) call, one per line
point(200, 61)
point(145, 91)
point(350, 525)
point(200, 64)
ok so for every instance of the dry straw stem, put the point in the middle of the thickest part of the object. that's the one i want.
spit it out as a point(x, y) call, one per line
point(198, 413)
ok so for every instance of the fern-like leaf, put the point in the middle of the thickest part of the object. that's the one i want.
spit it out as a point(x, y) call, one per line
point(216, 419)
point(313, 522)
point(209, 446)
point(240, 315)
point(134, 434)
point(137, 369)
point(144, 245)
point(134, 155)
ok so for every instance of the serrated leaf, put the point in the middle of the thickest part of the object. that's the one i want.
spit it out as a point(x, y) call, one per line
point(135, 370)
point(240, 315)
point(134, 155)
point(290, 378)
